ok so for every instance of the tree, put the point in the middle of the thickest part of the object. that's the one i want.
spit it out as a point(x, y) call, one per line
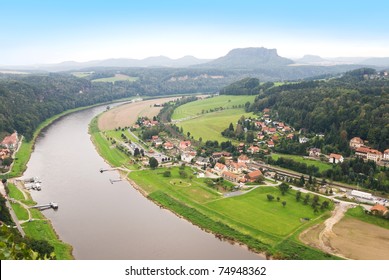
point(302, 180)
point(153, 162)
point(270, 197)
point(188, 134)
point(250, 137)
point(231, 127)
point(306, 199)
point(183, 174)
point(278, 198)
point(167, 173)
point(284, 203)
point(4, 181)
point(182, 166)
point(136, 152)
point(284, 187)
point(298, 195)
point(7, 161)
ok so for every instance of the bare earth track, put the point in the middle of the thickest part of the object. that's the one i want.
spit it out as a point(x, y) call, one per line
point(348, 237)
point(127, 114)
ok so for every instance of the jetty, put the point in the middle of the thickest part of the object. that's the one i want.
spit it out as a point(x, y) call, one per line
point(52, 205)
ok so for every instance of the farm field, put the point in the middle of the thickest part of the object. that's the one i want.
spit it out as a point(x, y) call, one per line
point(195, 108)
point(323, 166)
point(127, 114)
point(117, 77)
point(209, 126)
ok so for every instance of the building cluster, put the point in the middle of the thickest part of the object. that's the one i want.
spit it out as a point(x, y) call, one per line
point(367, 153)
point(8, 146)
point(271, 131)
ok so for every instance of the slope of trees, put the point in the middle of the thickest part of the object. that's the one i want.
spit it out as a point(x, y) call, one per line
point(356, 104)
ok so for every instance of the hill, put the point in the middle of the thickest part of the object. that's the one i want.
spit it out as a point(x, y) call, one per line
point(354, 105)
point(249, 58)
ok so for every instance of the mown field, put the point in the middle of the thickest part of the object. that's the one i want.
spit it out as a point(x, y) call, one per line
point(209, 126)
point(250, 218)
point(323, 166)
point(117, 77)
point(197, 107)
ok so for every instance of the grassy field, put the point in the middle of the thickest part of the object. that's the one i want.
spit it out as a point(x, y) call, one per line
point(257, 212)
point(81, 74)
point(323, 166)
point(14, 192)
point(209, 126)
point(250, 218)
point(117, 77)
point(20, 211)
point(110, 153)
point(188, 189)
point(195, 108)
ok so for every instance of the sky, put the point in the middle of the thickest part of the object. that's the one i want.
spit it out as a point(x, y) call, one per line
point(47, 31)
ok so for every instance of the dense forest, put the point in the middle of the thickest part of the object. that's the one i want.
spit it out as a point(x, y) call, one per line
point(26, 101)
point(356, 104)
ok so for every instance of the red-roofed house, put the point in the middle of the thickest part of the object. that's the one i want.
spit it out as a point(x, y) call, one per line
point(270, 144)
point(243, 159)
point(290, 136)
point(272, 130)
point(254, 175)
point(356, 142)
point(230, 176)
point(4, 153)
point(236, 167)
point(253, 149)
point(379, 209)
point(185, 144)
point(335, 158)
point(374, 155)
point(10, 141)
point(168, 146)
point(220, 167)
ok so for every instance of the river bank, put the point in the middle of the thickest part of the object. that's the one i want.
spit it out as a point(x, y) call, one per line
point(39, 227)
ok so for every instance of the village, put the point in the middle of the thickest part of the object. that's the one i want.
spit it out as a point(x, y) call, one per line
point(243, 167)
point(8, 147)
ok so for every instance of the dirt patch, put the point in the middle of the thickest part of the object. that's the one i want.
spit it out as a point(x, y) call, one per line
point(348, 238)
point(320, 236)
point(359, 240)
point(127, 114)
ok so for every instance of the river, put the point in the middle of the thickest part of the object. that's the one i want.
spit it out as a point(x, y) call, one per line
point(110, 221)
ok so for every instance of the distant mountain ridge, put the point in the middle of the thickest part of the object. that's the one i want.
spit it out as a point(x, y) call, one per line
point(155, 61)
point(236, 59)
point(249, 58)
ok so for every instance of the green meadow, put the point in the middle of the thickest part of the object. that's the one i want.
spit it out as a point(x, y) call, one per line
point(209, 126)
point(197, 107)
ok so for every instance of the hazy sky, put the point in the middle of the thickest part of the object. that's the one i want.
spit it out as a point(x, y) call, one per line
point(49, 31)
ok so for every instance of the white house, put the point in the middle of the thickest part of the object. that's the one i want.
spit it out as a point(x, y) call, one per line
point(386, 154)
point(335, 158)
point(188, 156)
